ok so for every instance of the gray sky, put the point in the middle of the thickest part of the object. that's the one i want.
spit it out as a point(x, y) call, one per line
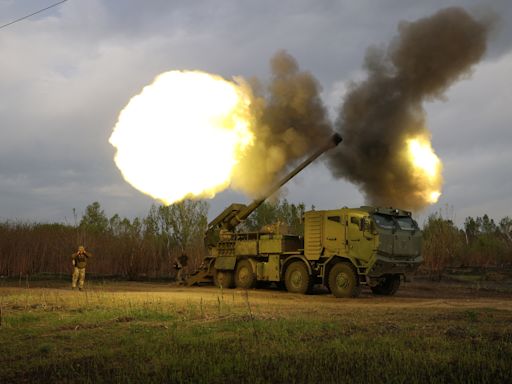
point(67, 73)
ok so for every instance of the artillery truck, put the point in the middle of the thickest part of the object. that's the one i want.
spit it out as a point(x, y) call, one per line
point(341, 249)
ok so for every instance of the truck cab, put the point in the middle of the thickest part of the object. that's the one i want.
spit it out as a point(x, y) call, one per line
point(382, 245)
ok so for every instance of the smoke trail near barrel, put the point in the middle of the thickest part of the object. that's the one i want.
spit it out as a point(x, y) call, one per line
point(291, 120)
point(386, 149)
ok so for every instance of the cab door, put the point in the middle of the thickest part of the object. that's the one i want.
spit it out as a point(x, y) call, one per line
point(360, 240)
point(334, 234)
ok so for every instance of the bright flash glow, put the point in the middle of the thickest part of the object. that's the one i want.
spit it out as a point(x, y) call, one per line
point(434, 196)
point(427, 167)
point(182, 135)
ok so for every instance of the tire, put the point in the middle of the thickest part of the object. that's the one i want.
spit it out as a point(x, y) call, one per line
point(223, 278)
point(297, 278)
point(343, 281)
point(388, 287)
point(244, 275)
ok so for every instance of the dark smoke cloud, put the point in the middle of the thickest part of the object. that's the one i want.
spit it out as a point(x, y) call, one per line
point(291, 121)
point(294, 104)
point(379, 113)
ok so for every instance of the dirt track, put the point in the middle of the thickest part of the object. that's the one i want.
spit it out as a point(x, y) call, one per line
point(321, 303)
point(411, 295)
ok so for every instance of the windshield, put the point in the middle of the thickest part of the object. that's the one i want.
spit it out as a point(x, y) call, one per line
point(384, 221)
point(406, 223)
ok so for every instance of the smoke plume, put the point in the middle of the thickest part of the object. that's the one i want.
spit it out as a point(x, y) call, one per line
point(291, 120)
point(381, 113)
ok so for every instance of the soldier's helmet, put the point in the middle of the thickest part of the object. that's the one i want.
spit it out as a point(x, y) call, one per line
point(81, 248)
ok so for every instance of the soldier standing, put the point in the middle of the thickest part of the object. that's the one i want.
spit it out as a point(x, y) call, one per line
point(79, 261)
point(179, 264)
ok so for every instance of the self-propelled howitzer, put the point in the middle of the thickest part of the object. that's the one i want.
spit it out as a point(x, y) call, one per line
point(342, 249)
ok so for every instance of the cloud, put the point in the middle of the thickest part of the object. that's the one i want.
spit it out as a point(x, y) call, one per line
point(66, 74)
point(472, 135)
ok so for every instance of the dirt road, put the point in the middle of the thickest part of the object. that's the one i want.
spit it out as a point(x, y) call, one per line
point(419, 295)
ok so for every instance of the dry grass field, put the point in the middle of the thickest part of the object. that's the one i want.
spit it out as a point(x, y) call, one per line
point(156, 332)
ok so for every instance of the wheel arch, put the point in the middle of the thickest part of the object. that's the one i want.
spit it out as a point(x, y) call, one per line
point(290, 260)
point(252, 259)
point(331, 262)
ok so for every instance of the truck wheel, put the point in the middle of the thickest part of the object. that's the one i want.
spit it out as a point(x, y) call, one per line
point(223, 279)
point(388, 286)
point(244, 275)
point(343, 281)
point(297, 279)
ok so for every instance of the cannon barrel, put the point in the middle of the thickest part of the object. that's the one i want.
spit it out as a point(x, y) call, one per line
point(236, 213)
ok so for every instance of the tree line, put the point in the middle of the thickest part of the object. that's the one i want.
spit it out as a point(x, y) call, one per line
point(482, 242)
point(147, 247)
point(137, 248)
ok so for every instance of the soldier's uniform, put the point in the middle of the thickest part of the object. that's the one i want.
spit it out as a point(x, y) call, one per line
point(79, 261)
point(179, 264)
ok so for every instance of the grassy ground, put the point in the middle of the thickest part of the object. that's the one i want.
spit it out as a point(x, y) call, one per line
point(145, 333)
